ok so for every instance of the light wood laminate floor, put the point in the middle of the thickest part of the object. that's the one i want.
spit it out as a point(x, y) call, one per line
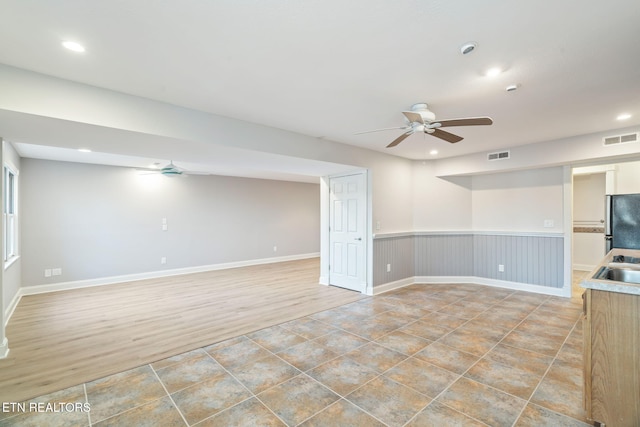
point(65, 338)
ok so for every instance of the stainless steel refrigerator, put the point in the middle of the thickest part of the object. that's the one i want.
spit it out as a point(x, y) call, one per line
point(622, 221)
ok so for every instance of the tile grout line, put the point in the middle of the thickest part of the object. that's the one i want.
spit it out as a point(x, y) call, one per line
point(137, 405)
point(546, 372)
point(333, 391)
point(253, 395)
point(434, 399)
point(169, 395)
point(410, 356)
point(341, 397)
point(369, 341)
point(344, 397)
point(86, 399)
point(483, 356)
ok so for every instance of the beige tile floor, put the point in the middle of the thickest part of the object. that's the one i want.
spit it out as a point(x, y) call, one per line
point(424, 355)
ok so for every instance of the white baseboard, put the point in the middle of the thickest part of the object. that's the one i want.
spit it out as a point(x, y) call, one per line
point(517, 286)
point(380, 289)
point(324, 280)
point(583, 267)
point(4, 348)
point(63, 286)
point(12, 306)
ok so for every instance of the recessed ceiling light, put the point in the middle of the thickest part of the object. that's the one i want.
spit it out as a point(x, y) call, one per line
point(623, 116)
point(467, 48)
point(433, 152)
point(84, 150)
point(74, 46)
point(492, 72)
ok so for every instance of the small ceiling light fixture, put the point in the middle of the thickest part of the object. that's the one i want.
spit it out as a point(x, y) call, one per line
point(73, 46)
point(511, 88)
point(467, 48)
point(433, 152)
point(84, 150)
point(492, 72)
point(623, 116)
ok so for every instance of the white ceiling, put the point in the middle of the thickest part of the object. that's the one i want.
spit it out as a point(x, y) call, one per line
point(329, 68)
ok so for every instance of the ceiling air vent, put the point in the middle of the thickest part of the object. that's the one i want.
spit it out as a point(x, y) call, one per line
point(502, 155)
point(620, 139)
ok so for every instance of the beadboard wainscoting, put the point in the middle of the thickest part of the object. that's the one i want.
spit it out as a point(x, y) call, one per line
point(444, 255)
point(531, 261)
point(397, 252)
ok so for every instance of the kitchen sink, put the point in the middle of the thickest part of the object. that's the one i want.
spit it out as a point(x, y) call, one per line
point(625, 259)
point(626, 275)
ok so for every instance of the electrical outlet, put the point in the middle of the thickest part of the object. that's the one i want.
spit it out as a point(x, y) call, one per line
point(388, 268)
point(47, 272)
point(275, 249)
point(548, 223)
point(377, 225)
point(165, 227)
point(163, 260)
point(501, 268)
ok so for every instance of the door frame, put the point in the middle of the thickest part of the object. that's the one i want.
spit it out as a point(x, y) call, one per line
point(606, 166)
point(324, 228)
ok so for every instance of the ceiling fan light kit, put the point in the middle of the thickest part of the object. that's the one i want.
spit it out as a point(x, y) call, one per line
point(170, 170)
point(421, 119)
point(467, 48)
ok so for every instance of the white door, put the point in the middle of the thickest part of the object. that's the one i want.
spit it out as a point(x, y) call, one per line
point(347, 234)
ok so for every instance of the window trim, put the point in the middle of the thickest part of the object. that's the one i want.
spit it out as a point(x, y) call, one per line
point(10, 195)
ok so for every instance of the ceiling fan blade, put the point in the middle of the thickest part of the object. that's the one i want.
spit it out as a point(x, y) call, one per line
point(412, 116)
point(470, 121)
point(449, 137)
point(379, 130)
point(399, 139)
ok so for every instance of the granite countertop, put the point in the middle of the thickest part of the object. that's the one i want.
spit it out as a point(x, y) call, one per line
point(612, 285)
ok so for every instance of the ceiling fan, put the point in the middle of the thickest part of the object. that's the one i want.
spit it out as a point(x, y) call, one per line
point(171, 170)
point(421, 119)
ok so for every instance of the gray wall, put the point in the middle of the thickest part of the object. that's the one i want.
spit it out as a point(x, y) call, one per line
point(530, 259)
point(100, 221)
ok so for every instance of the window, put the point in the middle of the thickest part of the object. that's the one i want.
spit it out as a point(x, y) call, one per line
point(10, 214)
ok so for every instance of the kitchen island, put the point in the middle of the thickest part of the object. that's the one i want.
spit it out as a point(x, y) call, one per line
point(612, 340)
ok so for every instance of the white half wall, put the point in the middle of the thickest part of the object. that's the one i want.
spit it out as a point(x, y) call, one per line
point(519, 201)
point(440, 204)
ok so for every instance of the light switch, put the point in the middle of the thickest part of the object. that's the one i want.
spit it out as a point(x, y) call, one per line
point(548, 223)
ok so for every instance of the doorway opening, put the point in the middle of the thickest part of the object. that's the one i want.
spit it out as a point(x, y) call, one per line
point(590, 185)
point(346, 237)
